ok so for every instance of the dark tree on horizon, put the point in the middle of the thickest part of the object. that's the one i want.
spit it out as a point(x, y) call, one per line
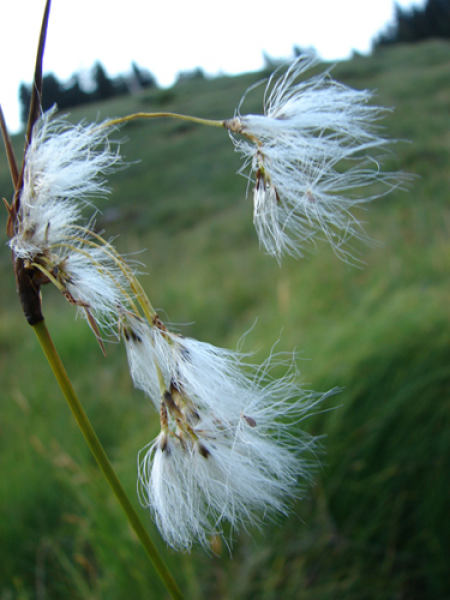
point(64, 95)
point(417, 23)
point(104, 85)
point(70, 93)
point(144, 78)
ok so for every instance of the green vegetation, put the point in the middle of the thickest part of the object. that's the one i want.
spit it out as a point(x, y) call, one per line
point(375, 525)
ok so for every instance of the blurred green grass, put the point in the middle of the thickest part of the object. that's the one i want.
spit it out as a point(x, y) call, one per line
point(375, 525)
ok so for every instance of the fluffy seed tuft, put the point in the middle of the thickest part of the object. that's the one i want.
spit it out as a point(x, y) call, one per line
point(310, 156)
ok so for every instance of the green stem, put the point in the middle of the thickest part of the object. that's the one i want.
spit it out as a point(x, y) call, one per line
point(103, 462)
point(164, 115)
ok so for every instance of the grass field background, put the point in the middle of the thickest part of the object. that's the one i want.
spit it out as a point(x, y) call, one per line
point(375, 524)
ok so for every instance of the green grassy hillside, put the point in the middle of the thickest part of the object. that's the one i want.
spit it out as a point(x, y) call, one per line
point(375, 525)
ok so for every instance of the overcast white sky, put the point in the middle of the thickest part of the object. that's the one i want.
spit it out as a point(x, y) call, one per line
point(171, 36)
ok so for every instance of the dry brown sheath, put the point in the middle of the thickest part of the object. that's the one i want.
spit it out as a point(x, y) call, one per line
point(29, 293)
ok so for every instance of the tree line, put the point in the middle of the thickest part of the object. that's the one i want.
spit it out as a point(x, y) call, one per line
point(417, 23)
point(71, 93)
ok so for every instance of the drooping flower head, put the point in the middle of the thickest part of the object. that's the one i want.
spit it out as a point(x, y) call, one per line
point(309, 155)
point(64, 170)
point(224, 453)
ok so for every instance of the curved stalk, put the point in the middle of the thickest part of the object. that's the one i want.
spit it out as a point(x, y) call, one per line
point(102, 460)
point(164, 115)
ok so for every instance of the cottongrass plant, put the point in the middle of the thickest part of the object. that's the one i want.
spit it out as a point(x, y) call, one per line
point(308, 157)
point(224, 452)
point(64, 166)
point(229, 448)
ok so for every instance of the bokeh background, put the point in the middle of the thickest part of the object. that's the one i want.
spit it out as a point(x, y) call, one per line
point(375, 524)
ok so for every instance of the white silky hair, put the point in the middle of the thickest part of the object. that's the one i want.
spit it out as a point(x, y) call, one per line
point(314, 150)
point(65, 166)
point(242, 460)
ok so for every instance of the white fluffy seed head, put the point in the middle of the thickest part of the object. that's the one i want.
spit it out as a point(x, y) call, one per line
point(311, 155)
point(235, 471)
point(227, 451)
point(317, 106)
point(65, 166)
